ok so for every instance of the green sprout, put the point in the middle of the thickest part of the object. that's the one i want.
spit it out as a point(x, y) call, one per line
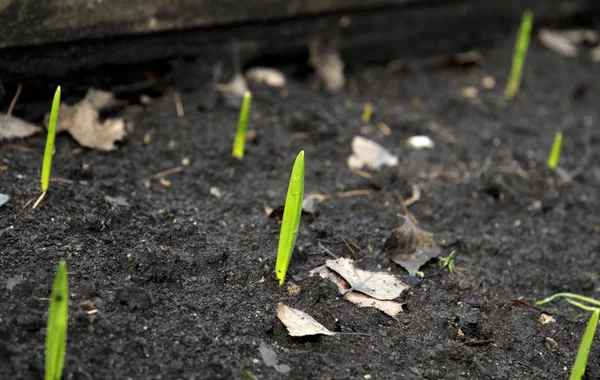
point(555, 152)
point(291, 218)
point(588, 337)
point(447, 262)
point(367, 112)
point(240, 135)
point(584, 347)
point(49, 151)
point(56, 332)
point(521, 46)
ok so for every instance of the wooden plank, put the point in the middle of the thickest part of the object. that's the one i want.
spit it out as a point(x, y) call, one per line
point(33, 22)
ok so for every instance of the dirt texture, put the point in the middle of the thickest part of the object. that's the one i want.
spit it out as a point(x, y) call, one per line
point(183, 277)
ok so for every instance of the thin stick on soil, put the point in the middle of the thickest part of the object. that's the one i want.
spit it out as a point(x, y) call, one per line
point(349, 247)
point(167, 172)
point(408, 214)
point(179, 105)
point(13, 103)
point(326, 250)
point(363, 174)
point(354, 193)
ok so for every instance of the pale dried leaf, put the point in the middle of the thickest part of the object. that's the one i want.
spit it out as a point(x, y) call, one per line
point(299, 323)
point(12, 127)
point(391, 308)
point(368, 153)
point(325, 59)
point(237, 86)
point(411, 247)
point(82, 121)
point(269, 357)
point(269, 76)
point(380, 285)
point(557, 42)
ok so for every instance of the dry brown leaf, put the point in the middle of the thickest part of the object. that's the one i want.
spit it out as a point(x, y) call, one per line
point(299, 323)
point(325, 59)
point(269, 357)
point(380, 285)
point(557, 42)
point(12, 127)
point(411, 247)
point(368, 153)
point(82, 121)
point(237, 86)
point(269, 76)
point(391, 308)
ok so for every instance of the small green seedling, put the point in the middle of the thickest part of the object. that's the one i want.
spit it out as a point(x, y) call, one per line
point(584, 347)
point(291, 218)
point(240, 135)
point(588, 337)
point(571, 296)
point(447, 262)
point(555, 152)
point(56, 333)
point(521, 46)
point(367, 113)
point(49, 151)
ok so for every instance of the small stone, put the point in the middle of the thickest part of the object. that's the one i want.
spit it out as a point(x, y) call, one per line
point(488, 82)
point(544, 319)
point(469, 92)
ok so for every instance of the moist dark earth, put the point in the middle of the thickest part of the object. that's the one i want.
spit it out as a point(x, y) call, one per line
point(183, 277)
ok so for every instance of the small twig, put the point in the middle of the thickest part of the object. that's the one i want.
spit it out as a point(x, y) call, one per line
point(363, 174)
point(350, 248)
point(179, 105)
point(21, 148)
point(414, 197)
point(408, 214)
point(167, 172)
point(326, 250)
point(13, 103)
point(511, 170)
point(61, 180)
point(29, 202)
point(353, 193)
point(39, 200)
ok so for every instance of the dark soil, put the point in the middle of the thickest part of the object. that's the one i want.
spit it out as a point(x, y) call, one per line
point(177, 276)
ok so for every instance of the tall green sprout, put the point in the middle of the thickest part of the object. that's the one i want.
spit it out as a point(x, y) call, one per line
point(588, 337)
point(584, 347)
point(291, 218)
point(240, 135)
point(56, 332)
point(521, 46)
point(49, 151)
point(555, 152)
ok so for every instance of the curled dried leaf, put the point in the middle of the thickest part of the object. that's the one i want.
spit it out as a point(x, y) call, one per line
point(368, 153)
point(299, 323)
point(325, 59)
point(12, 127)
point(82, 121)
point(379, 285)
point(411, 247)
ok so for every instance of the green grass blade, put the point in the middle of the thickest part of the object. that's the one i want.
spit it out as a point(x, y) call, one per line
point(555, 152)
point(56, 333)
point(367, 112)
point(49, 151)
point(569, 295)
point(521, 46)
point(584, 347)
point(240, 135)
point(291, 218)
